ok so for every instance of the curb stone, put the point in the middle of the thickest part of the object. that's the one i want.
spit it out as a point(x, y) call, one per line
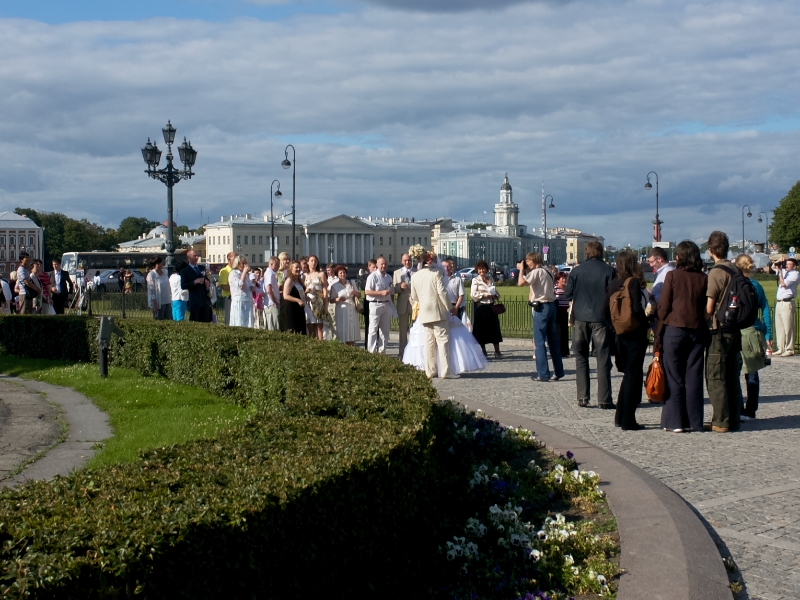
point(666, 551)
point(87, 425)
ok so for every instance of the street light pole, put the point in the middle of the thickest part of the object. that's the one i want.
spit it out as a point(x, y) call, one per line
point(169, 176)
point(657, 223)
point(272, 216)
point(749, 214)
point(766, 230)
point(286, 164)
point(544, 212)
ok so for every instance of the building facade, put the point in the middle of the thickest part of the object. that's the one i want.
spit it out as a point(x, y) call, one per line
point(503, 243)
point(575, 242)
point(349, 240)
point(17, 234)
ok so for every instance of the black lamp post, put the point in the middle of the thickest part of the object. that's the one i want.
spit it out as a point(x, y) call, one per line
point(657, 223)
point(169, 176)
point(749, 214)
point(766, 230)
point(545, 219)
point(277, 194)
point(286, 164)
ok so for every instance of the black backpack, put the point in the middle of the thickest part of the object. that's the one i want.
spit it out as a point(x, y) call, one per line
point(745, 313)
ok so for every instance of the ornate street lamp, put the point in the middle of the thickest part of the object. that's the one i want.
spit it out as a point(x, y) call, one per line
point(658, 222)
point(286, 164)
point(277, 194)
point(749, 214)
point(169, 176)
point(766, 230)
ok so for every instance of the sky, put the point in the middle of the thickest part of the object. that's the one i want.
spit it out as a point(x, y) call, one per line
point(409, 108)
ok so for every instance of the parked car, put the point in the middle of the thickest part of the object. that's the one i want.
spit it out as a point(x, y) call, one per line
point(466, 274)
point(513, 273)
point(565, 268)
point(109, 281)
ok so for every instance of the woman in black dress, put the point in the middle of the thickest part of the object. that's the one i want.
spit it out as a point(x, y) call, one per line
point(485, 324)
point(293, 300)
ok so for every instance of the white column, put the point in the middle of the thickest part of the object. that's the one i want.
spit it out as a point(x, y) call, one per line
point(362, 260)
point(336, 247)
point(353, 247)
point(325, 251)
point(319, 254)
point(306, 250)
point(372, 245)
point(344, 248)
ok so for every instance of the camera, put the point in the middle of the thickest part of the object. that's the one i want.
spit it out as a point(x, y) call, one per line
point(535, 305)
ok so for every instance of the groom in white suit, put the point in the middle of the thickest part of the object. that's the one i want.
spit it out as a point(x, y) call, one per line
point(428, 290)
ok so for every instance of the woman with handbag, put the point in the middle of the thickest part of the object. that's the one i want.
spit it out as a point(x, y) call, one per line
point(682, 337)
point(755, 341)
point(631, 340)
point(342, 296)
point(485, 323)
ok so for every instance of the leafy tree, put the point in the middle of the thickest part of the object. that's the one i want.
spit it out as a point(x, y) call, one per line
point(477, 226)
point(785, 227)
point(132, 227)
point(63, 234)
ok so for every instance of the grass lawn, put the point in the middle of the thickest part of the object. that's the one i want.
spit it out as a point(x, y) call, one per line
point(144, 412)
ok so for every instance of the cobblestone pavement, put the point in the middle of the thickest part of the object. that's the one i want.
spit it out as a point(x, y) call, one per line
point(746, 484)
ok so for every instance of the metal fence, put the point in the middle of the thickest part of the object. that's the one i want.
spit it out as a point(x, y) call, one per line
point(516, 322)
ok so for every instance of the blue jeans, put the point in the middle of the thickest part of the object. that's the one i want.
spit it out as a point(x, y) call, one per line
point(544, 330)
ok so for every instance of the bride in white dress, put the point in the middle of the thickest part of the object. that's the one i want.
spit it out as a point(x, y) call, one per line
point(465, 353)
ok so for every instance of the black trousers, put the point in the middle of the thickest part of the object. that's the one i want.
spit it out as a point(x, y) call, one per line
point(562, 327)
point(59, 302)
point(682, 353)
point(631, 349)
point(201, 314)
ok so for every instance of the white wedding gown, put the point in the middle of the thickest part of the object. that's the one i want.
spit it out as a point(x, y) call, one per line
point(465, 353)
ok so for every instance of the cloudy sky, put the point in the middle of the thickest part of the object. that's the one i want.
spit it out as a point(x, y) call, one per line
point(407, 108)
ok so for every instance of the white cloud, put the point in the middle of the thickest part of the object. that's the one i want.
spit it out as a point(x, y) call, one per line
point(414, 113)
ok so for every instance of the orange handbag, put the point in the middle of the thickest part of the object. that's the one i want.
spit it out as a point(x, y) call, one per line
point(656, 384)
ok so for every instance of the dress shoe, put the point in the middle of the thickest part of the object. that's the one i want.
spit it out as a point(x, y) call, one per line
point(607, 406)
point(786, 354)
point(537, 378)
point(716, 429)
point(554, 378)
point(583, 402)
point(451, 377)
point(635, 427)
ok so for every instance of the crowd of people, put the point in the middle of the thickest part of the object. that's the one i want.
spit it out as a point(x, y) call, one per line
point(611, 312)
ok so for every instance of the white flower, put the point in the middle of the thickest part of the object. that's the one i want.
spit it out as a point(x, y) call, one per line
point(501, 541)
point(559, 469)
point(602, 581)
point(575, 570)
point(451, 555)
point(495, 476)
point(559, 479)
point(535, 555)
point(501, 527)
point(592, 474)
point(563, 534)
point(568, 559)
point(481, 530)
point(472, 548)
point(541, 535)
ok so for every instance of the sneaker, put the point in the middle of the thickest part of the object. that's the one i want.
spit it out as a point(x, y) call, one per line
point(554, 378)
point(746, 418)
point(537, 378)
point(583, 402)
point(785, 354)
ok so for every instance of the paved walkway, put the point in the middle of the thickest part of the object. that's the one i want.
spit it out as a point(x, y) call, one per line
point(31, 414)
point(746, 485)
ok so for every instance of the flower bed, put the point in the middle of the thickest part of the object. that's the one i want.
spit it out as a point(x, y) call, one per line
point(346, 483)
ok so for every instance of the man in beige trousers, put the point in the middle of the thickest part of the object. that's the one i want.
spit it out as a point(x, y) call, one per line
point(401, 280)
point(427, 289)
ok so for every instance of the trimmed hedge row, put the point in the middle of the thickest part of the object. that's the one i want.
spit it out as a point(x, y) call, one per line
point(337, 487)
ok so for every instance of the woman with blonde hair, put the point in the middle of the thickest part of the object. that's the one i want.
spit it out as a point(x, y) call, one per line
point(755, 341)
point(241, 293)
point(316, 284)
point(293, 305)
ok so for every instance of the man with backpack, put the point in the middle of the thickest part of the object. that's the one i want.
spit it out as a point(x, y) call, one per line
point(731, 306)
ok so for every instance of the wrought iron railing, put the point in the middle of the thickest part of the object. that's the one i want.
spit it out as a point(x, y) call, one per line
point(515, 322)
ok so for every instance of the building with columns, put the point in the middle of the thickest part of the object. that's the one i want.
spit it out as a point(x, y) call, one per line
point(349, 240)
point(17, 234)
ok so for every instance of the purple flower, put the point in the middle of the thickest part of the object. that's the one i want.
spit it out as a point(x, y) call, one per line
point(570, 455)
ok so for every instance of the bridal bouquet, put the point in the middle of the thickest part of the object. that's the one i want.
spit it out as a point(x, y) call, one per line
point(417, 253)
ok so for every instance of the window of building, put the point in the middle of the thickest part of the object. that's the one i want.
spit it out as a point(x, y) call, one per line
point(297, 239)
point(2, 241)
point(12, 255)
point(254, 258)
point(571, 256)
point(238, 240)
point(390, 241)
point(390, 259)
point(260, 240)
point(21, 241)
point(401, 240)
point(2, 254)
point(30, 241)
point(287, 240)
point(381, 242)
point(414, 241)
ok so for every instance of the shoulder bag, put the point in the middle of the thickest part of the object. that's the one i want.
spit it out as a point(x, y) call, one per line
point(656, 384)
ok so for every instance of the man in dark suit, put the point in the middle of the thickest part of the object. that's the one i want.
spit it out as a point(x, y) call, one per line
point(60, 287)
point(193, 279)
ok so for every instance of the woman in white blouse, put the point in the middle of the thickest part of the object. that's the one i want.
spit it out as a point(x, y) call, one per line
point(485, 324)
point(241, 293)
point(159, 292)
point(342, 292)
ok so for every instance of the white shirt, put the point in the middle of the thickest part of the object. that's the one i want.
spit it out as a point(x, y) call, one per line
point(377, 283)
point(455, 288)
point(788, 290)
point(241, 289)
point(661, 275)
point(175, 287)
point(158, 287)
point(6, 291)
point(271, 279)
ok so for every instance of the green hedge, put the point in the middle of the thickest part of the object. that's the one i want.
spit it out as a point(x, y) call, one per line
point(334, 488)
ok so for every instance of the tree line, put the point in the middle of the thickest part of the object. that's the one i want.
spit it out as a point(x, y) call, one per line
point(65, 234)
